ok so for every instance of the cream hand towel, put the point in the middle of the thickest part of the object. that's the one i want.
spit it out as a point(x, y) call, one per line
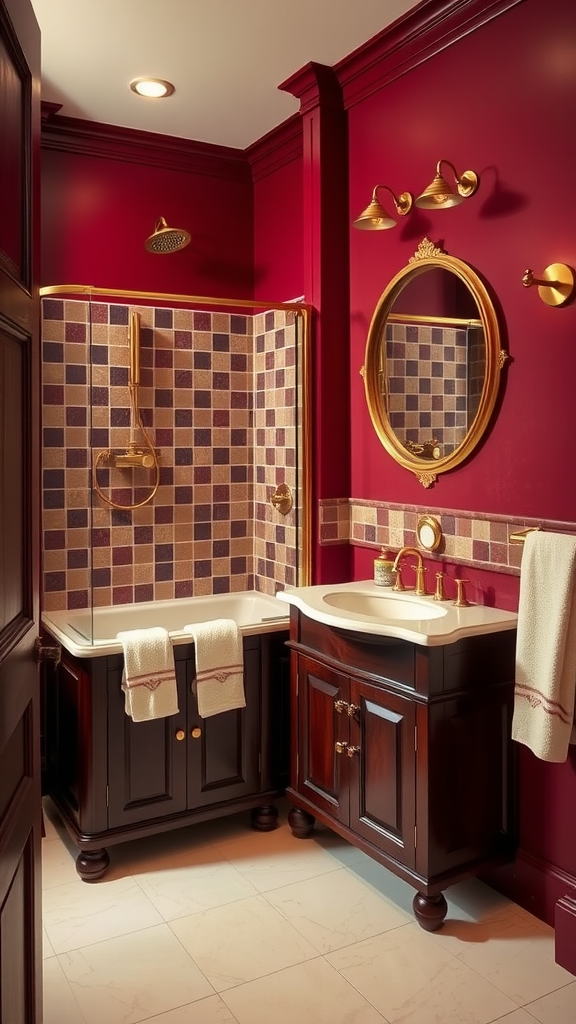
point(545, 685)
point(149, 678)
point(219, 666)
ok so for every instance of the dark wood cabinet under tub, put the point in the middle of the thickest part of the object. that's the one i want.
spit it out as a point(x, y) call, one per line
point(405, 750)
point(112, 779)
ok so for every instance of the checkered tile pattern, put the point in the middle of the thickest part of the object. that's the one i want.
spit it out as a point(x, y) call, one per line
point(218, 395)
point(470, 538)
point(433, 382)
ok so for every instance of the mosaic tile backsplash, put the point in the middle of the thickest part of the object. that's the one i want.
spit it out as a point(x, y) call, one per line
point(218, 395)
point(470, 538)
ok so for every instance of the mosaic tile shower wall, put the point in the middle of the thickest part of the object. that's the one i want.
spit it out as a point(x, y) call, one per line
point(434, 382)
point(275, 445)
point(217, 395)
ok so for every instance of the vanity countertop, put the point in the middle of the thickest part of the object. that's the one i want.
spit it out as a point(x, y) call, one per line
point(364, 607)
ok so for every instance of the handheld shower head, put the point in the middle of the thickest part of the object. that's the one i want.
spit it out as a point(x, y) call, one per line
point(165, 239)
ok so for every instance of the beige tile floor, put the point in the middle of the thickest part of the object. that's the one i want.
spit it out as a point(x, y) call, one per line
point(218, 924)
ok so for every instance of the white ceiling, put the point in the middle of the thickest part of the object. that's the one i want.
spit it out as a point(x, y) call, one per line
point(226, 58)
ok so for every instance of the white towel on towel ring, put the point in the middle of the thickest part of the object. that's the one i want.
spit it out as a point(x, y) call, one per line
point(219, 666)
point(545, 684)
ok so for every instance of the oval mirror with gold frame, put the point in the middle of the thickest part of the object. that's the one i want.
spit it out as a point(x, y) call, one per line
point(433, 362)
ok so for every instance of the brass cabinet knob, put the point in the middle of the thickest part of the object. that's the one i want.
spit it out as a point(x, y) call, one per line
point(352, 710)
point(196, 733)
point(352, 750)
point(340, 706)
point(180, 735)
point(340, 747)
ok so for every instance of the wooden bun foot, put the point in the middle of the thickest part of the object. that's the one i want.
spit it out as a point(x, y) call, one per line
point(301, 823)
point(92, 864)
point(264, 819)
point(429, 911)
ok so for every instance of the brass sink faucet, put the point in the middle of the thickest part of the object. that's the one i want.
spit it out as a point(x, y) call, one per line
point(420, 589)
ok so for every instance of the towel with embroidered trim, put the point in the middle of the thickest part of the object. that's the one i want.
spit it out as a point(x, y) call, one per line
point(219, 682)
point(545, 684)
point(149, 677)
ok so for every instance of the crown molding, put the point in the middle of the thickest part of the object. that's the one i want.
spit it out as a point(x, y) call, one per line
point(314, 84)
point(421, 33)
point(111, 142)
point(48, 110)
point(277, 148)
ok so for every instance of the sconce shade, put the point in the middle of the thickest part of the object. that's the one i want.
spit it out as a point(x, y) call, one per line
point(376, 218)
point(439, 195)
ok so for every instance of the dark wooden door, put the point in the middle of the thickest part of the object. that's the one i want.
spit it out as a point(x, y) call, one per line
point(20, 807)
point(382, 782)
point(323, 772)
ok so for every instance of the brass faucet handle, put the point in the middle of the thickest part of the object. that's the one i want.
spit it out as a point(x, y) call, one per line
point(398, 584)
point(420, 589)
point(461, 601)
point(440, 594)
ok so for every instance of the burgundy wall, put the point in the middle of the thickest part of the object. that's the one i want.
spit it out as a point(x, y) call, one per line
point(97, 213)
point(278, 233)
point(500, 101)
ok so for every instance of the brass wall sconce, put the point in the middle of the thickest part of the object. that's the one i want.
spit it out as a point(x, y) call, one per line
point(556, 287)
point(439, 195)
point(376, 218)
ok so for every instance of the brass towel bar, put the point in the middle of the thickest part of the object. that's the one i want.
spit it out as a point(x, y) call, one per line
point(520, 535)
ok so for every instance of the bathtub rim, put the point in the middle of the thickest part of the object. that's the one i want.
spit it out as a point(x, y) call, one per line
point(55, 624)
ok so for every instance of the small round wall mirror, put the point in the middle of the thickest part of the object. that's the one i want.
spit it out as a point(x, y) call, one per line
point(433, 363)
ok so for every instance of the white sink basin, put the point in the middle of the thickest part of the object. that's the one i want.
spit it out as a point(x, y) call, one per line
point(383, 607)
point(365, 608)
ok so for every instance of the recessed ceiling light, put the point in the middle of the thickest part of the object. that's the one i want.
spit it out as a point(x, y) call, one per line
point(155, 88)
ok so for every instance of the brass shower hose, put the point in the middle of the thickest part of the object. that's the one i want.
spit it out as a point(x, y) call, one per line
point(106, 453)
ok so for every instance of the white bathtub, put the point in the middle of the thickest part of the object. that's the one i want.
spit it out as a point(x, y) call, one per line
point(90, 633)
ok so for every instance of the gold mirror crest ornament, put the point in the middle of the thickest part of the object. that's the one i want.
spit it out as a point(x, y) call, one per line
point(432, 379)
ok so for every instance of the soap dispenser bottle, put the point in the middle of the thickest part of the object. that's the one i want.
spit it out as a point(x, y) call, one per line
point(383, 569)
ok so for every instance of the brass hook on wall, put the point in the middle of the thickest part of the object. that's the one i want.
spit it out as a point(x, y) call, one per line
point(556, 287)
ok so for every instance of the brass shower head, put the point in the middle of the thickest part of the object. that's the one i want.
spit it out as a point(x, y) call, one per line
point(165, 239)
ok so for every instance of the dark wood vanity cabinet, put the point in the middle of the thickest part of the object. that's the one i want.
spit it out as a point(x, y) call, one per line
point(113, 779)
point(406, 751)
point(355, 754)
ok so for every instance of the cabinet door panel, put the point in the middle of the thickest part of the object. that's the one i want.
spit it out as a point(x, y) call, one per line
point(323, 773)
point(76, 710)
point(223, 760)
point(468, 786)
point(382, 798)
point(146, 762)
